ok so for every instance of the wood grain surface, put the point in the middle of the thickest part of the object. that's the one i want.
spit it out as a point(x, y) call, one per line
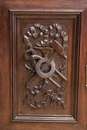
point(21, 13)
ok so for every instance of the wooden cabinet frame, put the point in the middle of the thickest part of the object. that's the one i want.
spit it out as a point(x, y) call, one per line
point(10, 12)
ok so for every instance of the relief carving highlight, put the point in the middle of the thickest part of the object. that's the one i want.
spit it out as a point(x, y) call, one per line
point(46, 56)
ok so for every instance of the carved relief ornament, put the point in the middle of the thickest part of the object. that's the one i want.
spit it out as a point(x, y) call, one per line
point(48, 42)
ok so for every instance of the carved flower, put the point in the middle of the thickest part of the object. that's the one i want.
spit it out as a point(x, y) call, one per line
point(54, 96)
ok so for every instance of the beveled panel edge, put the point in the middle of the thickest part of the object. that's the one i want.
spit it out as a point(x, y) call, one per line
point(69, 14)
point(62, 119)
point(47, 10)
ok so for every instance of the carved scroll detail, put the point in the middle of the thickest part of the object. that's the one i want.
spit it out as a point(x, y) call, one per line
point(41, 57)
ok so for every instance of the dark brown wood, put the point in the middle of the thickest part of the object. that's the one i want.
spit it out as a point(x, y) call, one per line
point(30, 83)
point(21, 95)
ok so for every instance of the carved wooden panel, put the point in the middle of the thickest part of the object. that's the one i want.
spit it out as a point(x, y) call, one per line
point(42, 65)
point(45, 66)
point(44, 45)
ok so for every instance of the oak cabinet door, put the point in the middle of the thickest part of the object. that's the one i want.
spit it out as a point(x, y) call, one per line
point(43, 65)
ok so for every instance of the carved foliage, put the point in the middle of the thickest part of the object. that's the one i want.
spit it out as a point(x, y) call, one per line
point(44, 44)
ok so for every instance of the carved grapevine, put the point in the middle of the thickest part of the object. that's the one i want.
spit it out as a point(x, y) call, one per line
point(47, 86)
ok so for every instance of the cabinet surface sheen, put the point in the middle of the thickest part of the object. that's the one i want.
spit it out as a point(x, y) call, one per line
point(43, 57)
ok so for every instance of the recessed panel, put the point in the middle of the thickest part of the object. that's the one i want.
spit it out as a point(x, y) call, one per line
point(43, 68)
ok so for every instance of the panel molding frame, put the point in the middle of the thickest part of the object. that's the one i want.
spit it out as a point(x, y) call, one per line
point(18, 15)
